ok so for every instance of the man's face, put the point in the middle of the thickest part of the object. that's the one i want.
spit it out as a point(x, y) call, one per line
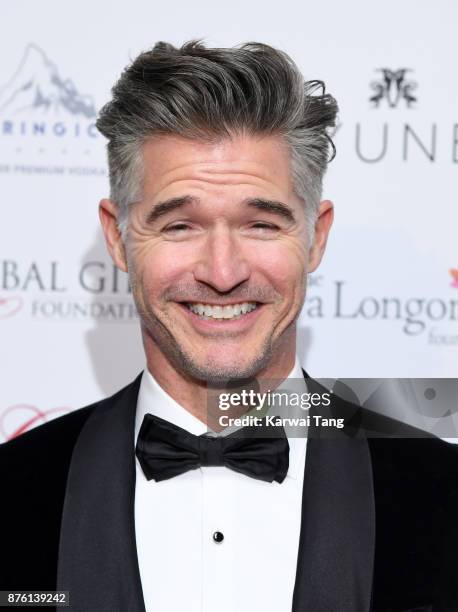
point(217, 254)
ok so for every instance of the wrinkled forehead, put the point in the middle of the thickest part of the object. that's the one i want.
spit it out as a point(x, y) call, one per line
point(172, 163)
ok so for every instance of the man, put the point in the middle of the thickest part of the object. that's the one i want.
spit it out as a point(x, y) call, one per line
point(216, 161)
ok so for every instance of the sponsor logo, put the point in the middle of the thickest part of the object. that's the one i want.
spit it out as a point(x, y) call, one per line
point(454, 273)
point(388, 128)
point(393, 88)
point(10, 306)
point(38, 88)
point(95, 290)
point(16, 420)
point(434, 318)
point(45, 119)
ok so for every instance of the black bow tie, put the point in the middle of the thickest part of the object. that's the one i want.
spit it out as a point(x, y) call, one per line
point(165, 450)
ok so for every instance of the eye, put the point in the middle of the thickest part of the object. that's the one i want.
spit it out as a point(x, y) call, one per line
point(176, 228)
point(262, 225)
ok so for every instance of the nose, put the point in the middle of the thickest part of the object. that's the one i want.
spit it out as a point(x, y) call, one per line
point(221, 263)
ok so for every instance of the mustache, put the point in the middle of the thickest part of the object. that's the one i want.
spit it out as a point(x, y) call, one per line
point(192, 292)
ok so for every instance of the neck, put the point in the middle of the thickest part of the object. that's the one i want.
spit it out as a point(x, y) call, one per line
point(193, 394)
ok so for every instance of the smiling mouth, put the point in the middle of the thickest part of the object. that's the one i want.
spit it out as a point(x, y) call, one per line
point(212, 312)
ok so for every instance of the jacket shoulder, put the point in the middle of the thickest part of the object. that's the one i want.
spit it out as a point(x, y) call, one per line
point(54, 435)
point(416, 458)
point(55, 438)
point(34, 470)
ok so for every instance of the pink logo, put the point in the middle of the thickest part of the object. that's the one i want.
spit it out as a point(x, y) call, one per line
point(19, 418)
point(454, 273)
point(9, 306)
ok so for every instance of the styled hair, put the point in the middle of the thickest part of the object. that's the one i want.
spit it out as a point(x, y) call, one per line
point(209, 94)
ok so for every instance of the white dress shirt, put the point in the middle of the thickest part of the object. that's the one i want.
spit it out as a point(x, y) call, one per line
point(182, 568)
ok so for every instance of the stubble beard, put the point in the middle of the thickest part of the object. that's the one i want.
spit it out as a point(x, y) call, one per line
point(210, 373)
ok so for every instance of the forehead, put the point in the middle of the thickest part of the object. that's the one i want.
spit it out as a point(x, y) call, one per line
point(173, 162)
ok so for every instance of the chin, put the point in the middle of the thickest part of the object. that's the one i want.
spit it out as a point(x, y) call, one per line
point(219, 369)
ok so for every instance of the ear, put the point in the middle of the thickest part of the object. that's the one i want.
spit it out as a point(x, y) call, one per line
point(108, 214)
point(322, 226)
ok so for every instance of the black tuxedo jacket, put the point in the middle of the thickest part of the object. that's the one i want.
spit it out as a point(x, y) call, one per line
point(379, 526)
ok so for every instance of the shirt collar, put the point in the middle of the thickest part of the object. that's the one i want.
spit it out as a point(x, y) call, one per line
point(152, 399)
point(297, 445)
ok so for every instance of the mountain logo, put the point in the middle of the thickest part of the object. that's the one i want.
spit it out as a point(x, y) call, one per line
point(454, 273)
point(37, 87)
point(393, 87)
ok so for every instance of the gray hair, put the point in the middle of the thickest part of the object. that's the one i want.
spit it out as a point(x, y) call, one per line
point(208, 94)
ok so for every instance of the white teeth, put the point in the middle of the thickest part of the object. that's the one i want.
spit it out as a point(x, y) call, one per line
point(217, 312)
point(222, 312)
point(228, 312)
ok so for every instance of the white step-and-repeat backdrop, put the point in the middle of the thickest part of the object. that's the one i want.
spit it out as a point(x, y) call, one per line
point(384, 302)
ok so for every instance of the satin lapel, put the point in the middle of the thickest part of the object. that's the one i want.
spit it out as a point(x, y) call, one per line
point(97, 556)
point(337, 540)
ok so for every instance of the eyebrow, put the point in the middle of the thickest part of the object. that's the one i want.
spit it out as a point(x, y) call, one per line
point(162, 208)
point(270, 206)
